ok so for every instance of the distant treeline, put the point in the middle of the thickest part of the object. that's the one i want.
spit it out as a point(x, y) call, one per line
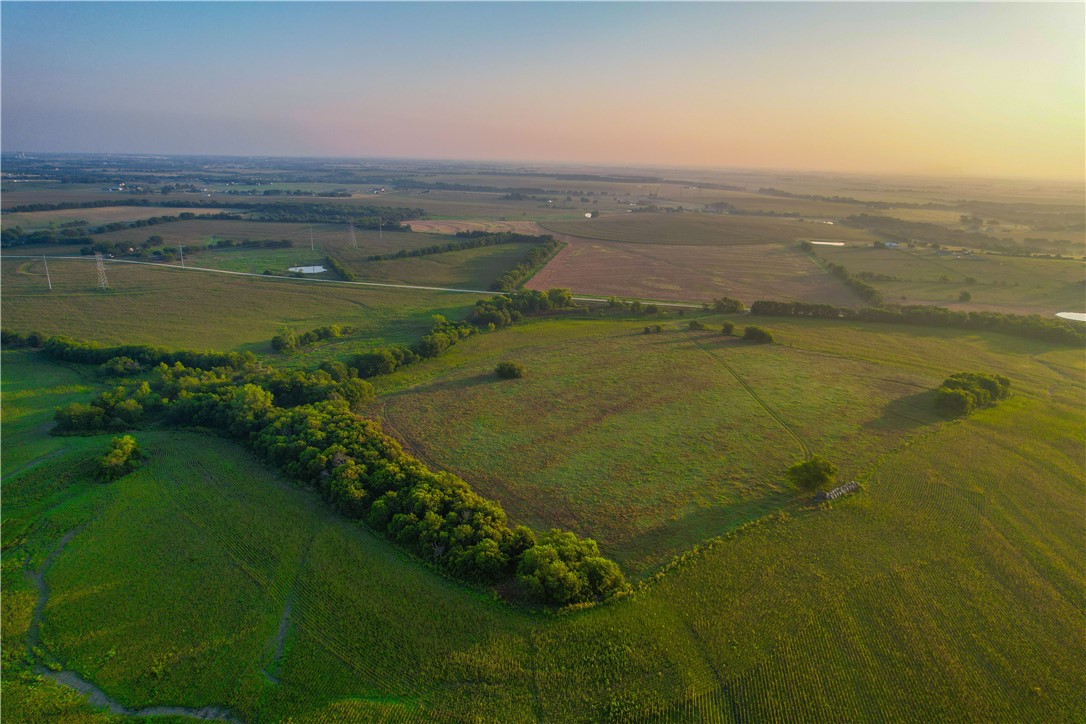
point(849, 200)
point(516, 276)
point(365, 217)
point(904, 232)
point(305, 424)
point(469, 240)
point(1031, 326)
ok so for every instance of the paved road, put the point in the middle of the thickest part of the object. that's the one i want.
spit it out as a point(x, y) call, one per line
point(187, 268)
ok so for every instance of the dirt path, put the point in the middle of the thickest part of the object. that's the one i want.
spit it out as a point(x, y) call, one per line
point(750, 390)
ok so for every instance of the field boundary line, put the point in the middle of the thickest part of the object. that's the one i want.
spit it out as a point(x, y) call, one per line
point(750, 390)
point(273, 277)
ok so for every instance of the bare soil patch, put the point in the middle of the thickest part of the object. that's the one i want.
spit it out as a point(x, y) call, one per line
point(697, 273)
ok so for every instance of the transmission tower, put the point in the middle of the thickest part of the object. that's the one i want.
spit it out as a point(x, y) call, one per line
point(101, 267)
point(350, 230)
point(48, 278)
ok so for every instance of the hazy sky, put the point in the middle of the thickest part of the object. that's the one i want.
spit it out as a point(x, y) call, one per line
point(976, 89)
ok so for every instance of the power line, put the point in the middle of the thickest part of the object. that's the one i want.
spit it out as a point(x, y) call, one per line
point(101, 267)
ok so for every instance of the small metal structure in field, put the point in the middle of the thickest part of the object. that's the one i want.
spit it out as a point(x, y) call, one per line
point(839, 492)
point(101, 267)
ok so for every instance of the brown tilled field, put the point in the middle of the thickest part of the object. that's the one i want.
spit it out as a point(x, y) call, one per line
point(451, 227)
point(747, 272)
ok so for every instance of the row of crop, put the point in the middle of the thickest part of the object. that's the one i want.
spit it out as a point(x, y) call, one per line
point(1032, 326)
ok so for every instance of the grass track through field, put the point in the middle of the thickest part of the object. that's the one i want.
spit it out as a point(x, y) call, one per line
point(750, 390)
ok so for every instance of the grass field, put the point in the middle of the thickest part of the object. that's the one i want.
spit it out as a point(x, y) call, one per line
point(701, 273)
point(652, 442)
point(995, 282)
point(197, 310)
point(102, 215)
point(936, 593)
point(701, 229)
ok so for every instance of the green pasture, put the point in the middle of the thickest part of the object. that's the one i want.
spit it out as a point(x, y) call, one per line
point(649, 443)
point(995, 282)
point(467, 269)
point(700, 229)
point(950, 588)
point(168, 306)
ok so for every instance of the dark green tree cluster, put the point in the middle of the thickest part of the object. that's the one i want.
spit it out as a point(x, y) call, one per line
point(812, 474)
point(562, 569)
point(696, 325)
point(654, 329)
point(727, 328)
point(114, 410)
point(122, 457)
point(757, 334)
point(862, 289)
point(727, 305)
point(337, 266)
point(367, 476)
point(963, 392)
point(287, 339)
point(1031, 326)
point(469, 240)
point(503, 311)
point(385, 360)
point(509, 370)
point(70, 350)
point(10, 339)
point(517, 275)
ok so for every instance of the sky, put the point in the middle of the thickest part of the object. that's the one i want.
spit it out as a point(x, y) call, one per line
point(972, 89)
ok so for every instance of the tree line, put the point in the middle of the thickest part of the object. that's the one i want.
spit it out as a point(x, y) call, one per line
point(1031, 326)
point(471, 240)
point(287, 339)
point(516, 276)
point(305, 424)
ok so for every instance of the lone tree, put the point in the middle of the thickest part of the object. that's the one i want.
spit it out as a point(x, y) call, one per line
point(509, 370)
point(122, 458)
point(812, 474)
point(757, 334)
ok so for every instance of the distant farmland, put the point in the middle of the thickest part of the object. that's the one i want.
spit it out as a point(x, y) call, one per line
point(698, 273)
point(702, 229)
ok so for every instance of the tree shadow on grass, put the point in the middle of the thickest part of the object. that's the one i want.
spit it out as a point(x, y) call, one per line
point(446, 384)
point(906, 414)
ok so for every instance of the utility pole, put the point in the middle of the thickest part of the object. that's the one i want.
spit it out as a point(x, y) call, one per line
point(350, 229)
point(311, 237)
point(47, 277)
point(380, 233)
point(101, 267)
point(182, 250)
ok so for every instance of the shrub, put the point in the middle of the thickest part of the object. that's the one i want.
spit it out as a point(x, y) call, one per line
point(122, 458)
point(757, 334)
point(509, 370)
point(813, 473)
point(963, 392)
point(728, 328)
point(695, 324)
